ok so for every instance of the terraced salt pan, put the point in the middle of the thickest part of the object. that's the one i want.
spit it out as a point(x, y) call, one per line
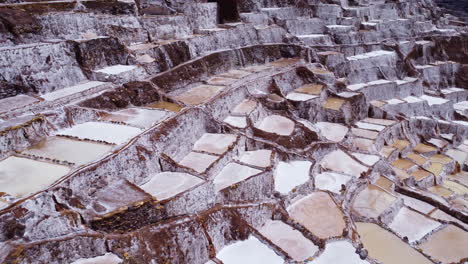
point(199, 162)
point(441, 215)
point(64, 149)
point(386, 247)
point(112, 133)
point(369, 160)
point(289, 239)
point(313, 89)
point(382, 122)
point(215, 143)
point(166, 185)
point(368, 126)
point(245, 107)
point(233, 173)
point(200, 94)
point(372, 54)
point(250, 251)
point(319, 214)
point(434, 100)
point(15, 172)
point(108, 258)
point(235, 74)
point(236, 121)
point(221, 81)
point(300, 97)
point(117, 69)
point(331, 181)
point(16, 102)
point(143, 118)
point(447, 245)
point(71, 90)
point(259, 158)
point(339, 252)
point(412, 225)
point(165, 105)
point(290, 175)
point(417, 205)
point(339, 161)
point(332, 131)
point(372, 201)
point(278, 125)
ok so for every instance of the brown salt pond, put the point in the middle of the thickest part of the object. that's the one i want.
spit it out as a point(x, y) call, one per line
point(74, 151)
point(319, 214)
point(200, 94)
point(313, 89)
point(334, 103)
point(386, 247)
point(165, 105)
point(15, 172)
point(448, 245)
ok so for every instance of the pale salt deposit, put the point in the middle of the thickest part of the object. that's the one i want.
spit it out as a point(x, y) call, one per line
point(250, 251)
point(290, 175)
point(339, 252)
point(168, 184)
point(112, 133)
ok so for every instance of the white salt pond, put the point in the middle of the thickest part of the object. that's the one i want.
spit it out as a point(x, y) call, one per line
point(21, 177)
point(278, 125)
point(258, 158)
point(290, 175)
point(108, 258)
point(289, 239)
point(166, 185)
point(339, 161)
point(64, 149)
point(71, 90)
point(215, 143)
point(369, 160)
point(413, 225)
point(339, 252)
point(143, 118)
point(112, 133)
point(233, 173)
point(117, 69)
point(198, 161)
point(331, 181)
point(250, 251)
point(331, 131)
